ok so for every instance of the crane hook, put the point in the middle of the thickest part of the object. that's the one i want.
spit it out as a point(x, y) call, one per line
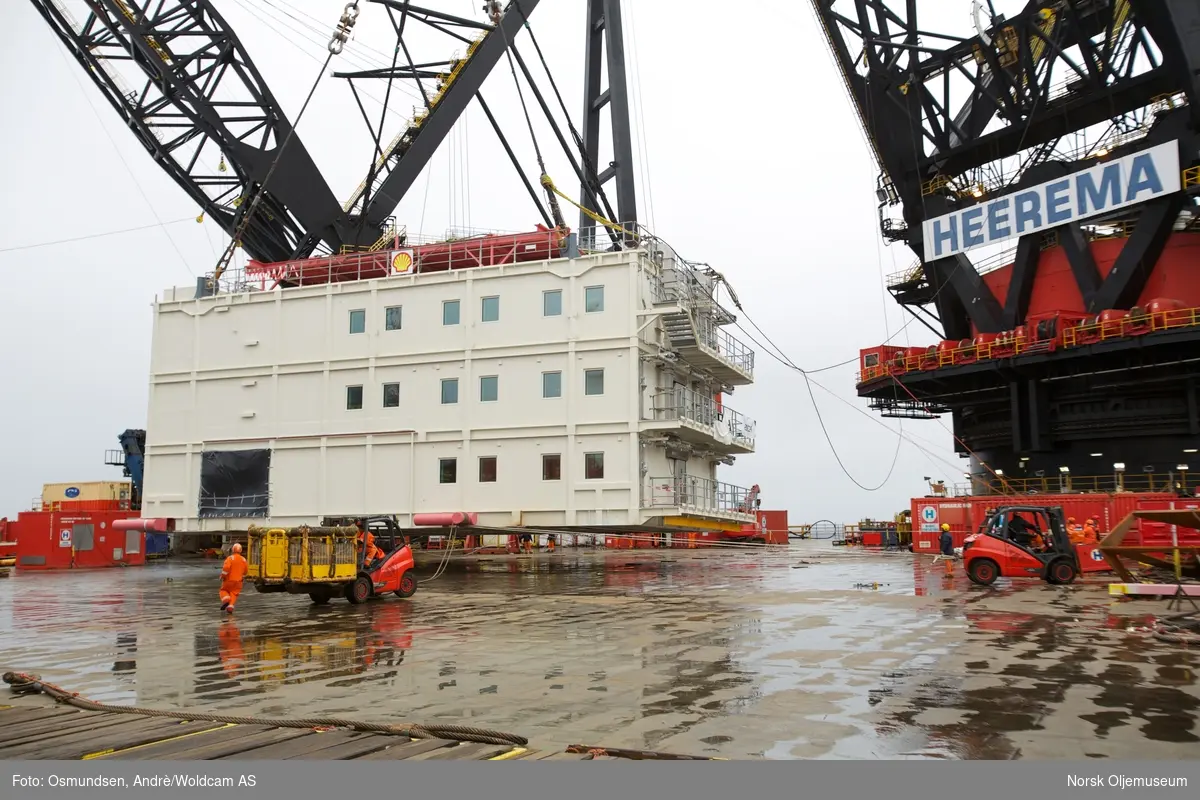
point(346, 24)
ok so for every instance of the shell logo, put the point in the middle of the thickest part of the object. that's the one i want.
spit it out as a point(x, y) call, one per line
point(402, 261)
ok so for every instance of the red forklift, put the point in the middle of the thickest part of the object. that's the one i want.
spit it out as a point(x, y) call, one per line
point(329, 561)
point(1022, 542)
point(393, 572)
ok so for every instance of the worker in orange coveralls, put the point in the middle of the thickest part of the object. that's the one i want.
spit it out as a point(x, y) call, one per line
point(233, 572)
point(1091, 532)
point(366, 544)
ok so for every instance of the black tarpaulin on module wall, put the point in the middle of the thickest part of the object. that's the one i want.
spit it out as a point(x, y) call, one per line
point(235, 483)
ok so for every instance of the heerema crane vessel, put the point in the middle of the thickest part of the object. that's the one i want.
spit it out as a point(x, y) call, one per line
point(1060, 142)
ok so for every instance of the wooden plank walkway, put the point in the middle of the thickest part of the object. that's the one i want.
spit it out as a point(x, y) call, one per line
point(35, 727)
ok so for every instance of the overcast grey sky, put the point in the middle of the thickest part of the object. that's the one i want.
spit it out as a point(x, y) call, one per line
point(752, 154)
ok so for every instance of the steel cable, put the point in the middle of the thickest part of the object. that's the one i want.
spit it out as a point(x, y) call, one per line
point(24, 683)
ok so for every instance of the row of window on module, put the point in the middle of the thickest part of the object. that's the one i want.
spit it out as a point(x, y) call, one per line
point(489, 311)
point(489, 389)
point(593, 468)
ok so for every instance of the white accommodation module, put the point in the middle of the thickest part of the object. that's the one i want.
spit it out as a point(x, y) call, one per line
point(584, 391)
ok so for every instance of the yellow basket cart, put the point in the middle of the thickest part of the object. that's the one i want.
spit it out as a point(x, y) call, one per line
point(267, 555)
point(324, 555)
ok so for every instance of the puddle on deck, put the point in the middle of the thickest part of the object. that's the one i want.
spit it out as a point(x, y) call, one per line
point(807, 652)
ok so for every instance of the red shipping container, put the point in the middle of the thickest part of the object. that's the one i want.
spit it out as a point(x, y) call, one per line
point(930, 513)
point(872, 539)
point(76, 540)
point(966, 514)
point(1149, 533)
point(774, 525)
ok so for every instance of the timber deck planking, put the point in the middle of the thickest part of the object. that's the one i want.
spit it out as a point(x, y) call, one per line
point(35, 728)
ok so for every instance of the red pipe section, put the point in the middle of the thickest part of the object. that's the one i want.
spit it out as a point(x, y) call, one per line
point(151, 525)
point(446, 519)
point(491, 249)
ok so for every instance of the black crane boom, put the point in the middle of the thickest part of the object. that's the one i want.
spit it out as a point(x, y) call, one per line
point(206, 116)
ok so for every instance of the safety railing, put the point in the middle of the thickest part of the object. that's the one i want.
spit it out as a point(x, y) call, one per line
point(741, 428)
point(597, 238)
point(678, 285)
point(730, 349)
point(1012, 344)
point(682, 403)
point(150, 40)
point(1130, 325)
point(414, 255)
point(907, 275)
point(391, 237)
point(701, 494)
point(1191, 177)
point(1067, 483)
point(978, 185)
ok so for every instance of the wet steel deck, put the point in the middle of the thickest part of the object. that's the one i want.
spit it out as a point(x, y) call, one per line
point(734, 655)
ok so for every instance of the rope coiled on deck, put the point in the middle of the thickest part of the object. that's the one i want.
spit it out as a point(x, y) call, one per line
point(1181, 629)
point(24, 683)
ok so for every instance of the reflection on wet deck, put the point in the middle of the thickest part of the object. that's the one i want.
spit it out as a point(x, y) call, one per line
point(805, 652)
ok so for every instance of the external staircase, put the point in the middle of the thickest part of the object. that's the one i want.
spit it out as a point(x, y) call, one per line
point(692, 321)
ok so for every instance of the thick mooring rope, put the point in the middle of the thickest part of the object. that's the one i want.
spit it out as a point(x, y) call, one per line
point(24, 683)
point(1181, 629)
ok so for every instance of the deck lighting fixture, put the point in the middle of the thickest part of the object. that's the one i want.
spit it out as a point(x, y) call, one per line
point(1189, 449)
point(1102, 152)
point(1000, 472)
point(1064, 470)
point(1119, 466)
point(1181, 467)
point(1097, 455)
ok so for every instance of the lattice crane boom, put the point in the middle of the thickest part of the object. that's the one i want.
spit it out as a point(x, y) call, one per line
point(206, 116)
